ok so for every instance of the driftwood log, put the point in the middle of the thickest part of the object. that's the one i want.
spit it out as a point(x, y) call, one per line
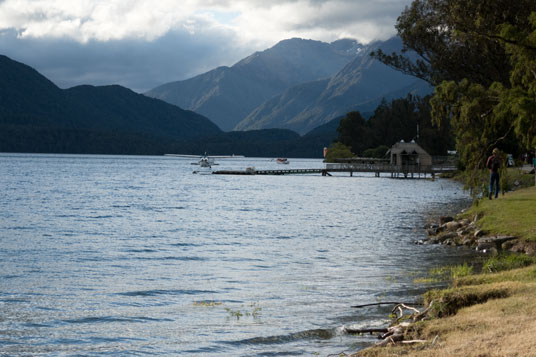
point(386, 303)
point(365, 330)
point(395, 334)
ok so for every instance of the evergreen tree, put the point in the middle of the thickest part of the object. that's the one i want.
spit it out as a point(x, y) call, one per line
point(481, 56)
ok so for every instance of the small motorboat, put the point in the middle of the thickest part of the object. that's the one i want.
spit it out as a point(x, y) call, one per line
point(282, 160)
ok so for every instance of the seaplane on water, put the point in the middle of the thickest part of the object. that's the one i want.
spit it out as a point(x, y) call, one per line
point(204, 161)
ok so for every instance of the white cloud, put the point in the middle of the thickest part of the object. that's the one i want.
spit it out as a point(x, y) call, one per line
point(251, 20)
point(143, 43)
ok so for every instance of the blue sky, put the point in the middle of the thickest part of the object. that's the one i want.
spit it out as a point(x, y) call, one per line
point(144, 43)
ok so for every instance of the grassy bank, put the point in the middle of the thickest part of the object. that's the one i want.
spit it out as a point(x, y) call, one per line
point(489, 314)
point(513, 213)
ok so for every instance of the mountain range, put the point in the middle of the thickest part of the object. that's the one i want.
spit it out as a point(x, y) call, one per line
point(37, 116)
point(227, 95)
point(298, 87)
point(297, 84)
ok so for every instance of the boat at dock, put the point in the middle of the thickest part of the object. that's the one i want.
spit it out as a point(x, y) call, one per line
point(282, 160)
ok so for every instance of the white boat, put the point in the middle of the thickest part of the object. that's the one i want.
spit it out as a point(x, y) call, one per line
point(282, 160)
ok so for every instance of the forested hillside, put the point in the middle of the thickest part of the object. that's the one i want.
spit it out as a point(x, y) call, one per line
point(37, 116)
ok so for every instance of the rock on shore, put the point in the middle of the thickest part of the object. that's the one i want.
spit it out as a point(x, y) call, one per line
point(465, 232)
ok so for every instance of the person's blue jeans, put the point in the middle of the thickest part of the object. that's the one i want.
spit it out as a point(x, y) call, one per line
point(494, 179)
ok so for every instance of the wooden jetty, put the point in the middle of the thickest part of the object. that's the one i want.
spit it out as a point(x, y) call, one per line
point(269, 172)
point(395, 171)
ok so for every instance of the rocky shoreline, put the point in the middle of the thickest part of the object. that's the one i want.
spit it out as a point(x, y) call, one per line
point(465, 232)
point(457, 231)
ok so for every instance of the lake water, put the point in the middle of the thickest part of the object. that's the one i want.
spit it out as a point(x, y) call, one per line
point(136, 255)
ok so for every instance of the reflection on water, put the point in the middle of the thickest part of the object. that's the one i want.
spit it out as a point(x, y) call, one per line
point(135, 255)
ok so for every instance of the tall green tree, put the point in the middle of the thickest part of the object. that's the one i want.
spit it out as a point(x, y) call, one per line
point(456, 39)
point(480, 55)
point(354, 132)
point(402, 119)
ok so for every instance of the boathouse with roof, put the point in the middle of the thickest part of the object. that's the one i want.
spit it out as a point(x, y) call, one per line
point(409, 154)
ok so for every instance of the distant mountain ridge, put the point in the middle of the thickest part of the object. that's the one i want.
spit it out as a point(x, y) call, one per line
point(297, 84)
point(37, 116)
point(227, 95)
point(360, 85)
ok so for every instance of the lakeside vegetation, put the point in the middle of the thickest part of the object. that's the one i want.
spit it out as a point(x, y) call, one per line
point(513, 214)
point(492, 313)
point(402, 119)
point(481, 60)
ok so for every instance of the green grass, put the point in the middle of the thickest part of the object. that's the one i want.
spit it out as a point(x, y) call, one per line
point(523, 275)
point(451, 272)
point(445, 274)
point(511, 214)
point(507, 262)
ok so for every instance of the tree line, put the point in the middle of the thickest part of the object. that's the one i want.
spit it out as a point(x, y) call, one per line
point(402, 119)
point(481, 58)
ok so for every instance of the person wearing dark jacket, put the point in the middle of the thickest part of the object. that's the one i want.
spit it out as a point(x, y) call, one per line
point(493, 164)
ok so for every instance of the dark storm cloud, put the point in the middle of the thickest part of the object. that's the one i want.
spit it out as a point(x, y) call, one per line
point(145, 43)
point(136, 64)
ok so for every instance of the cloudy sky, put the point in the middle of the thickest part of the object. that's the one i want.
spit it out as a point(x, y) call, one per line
point(144, 43)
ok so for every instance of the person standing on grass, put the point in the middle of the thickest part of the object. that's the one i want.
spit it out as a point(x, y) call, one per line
point(493, 164)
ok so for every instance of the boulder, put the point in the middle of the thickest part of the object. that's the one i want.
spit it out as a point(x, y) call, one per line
point(467, 241)
point(496, 240)
point(465, 231)
point(445, 219)
point(479, 233)
point(465, 222)
point(509, 244)
point(451, 226)
point(433, 240)
point(528, 248)
point(503, 239)
point(485, 246)
point(518, 248)
point(449, 241)
point(448, 235)
point(432, 231)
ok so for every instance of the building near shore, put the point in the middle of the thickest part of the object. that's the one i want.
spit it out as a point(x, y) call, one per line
point(405, 154)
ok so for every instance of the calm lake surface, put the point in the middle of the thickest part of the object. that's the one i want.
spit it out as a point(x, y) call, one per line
point(136, 255)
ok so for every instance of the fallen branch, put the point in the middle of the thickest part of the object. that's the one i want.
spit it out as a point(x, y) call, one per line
point(414, 341)
point(424, 313)
point(385, 303)
point(365, 330)
point(401, 305)
point(395, 334)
